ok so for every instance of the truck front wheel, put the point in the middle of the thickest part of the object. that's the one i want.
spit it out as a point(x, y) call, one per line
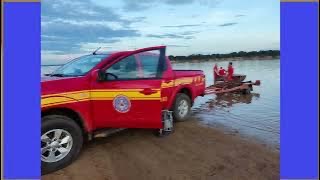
point(182, 107)
point(61, 142)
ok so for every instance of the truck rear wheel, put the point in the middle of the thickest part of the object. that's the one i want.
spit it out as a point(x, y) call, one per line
point(182, 107)
point(61, 142)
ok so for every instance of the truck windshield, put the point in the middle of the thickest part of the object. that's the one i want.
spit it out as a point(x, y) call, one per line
point(79, 66)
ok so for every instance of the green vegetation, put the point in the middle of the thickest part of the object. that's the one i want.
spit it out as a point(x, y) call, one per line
point(233, 55)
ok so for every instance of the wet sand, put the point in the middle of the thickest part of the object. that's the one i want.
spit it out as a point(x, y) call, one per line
point(192, 152)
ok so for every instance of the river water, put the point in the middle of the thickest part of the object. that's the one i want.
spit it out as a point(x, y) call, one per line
point(256, 115)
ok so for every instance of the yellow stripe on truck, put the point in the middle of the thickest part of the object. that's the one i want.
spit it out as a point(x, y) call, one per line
point(52, 100)
point(110, 94)
point(77, 96)
point(182, 81)
point(129, 94)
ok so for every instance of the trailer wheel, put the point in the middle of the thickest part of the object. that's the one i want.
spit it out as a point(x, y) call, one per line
point(182, 107)
point(61, 142)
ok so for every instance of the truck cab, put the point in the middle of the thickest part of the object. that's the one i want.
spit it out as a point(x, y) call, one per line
point(110, 91)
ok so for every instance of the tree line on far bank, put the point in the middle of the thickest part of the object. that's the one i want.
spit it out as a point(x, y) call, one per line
point(240, 54)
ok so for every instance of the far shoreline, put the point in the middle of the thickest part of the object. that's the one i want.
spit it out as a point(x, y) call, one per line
point(208, 60)
point(227, 59)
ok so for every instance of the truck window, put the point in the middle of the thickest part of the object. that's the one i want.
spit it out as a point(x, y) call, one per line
point(80, 66)
point(149, 64)
point(125, 69)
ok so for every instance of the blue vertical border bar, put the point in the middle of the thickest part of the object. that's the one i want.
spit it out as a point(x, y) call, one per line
point(21, 90)
point(299, 90)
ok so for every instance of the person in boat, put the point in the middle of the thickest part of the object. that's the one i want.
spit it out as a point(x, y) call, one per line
point(230, 72)
point(215, 72)
point(222, 72)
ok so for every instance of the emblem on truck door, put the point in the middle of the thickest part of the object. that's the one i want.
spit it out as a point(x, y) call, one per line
point(121, 103)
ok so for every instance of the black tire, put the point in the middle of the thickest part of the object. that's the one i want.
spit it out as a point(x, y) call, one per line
point(51, 122)
point(176, 115)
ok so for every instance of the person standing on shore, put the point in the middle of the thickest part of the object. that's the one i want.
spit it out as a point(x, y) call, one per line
point(230, 72)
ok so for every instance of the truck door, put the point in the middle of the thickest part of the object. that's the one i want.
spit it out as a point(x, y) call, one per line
point(167, 86)
point(129, 96)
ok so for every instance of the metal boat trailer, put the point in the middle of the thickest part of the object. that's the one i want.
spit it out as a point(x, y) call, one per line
point(244, 87)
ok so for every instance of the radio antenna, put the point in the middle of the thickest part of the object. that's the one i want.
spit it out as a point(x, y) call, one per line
point(95, 52)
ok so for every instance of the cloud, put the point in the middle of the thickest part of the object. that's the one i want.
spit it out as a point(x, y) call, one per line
point(182, 25)
point(63, 36)
point(138, 19)
point(51, 57)
point(178, 2)
point(83, 32)
point(169, 35)
point(77, 10)
point(228, 24)
point(67, 25)
point(208, 3)
point(189, 32)
point(135, 5)
point(177, 45)
point(239, 15)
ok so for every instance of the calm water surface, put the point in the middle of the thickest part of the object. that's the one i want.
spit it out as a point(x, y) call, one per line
point(256, 115)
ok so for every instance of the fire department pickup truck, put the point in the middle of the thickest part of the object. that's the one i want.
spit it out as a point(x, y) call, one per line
point(103, 93)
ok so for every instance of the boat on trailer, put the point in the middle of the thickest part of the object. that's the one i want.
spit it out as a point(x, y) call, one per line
point(235, 77)
point(237, 85)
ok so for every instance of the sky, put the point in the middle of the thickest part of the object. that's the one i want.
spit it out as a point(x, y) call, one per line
point(71, 28)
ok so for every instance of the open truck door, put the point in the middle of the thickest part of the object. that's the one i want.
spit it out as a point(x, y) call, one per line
point(129, 94)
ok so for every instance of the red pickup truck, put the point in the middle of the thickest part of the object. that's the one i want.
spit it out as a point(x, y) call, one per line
point(102, 93)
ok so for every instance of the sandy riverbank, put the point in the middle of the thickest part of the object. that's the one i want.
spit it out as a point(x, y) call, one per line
point(191, 152)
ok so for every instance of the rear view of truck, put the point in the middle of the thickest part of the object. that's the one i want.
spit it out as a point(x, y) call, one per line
point(198, 80)
point(189, 84)
point(179, 90)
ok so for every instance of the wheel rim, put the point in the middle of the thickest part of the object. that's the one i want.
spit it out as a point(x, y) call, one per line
point(55, 145)
point(183, 108)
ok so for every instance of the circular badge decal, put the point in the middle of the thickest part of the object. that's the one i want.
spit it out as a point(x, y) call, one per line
point(121, 103)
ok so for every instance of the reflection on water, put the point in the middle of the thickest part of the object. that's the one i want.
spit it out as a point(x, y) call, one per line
point(223, 101)
point(255, 115)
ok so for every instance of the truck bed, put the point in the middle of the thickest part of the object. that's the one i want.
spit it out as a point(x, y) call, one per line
point(194, 79)
point(187, 73)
